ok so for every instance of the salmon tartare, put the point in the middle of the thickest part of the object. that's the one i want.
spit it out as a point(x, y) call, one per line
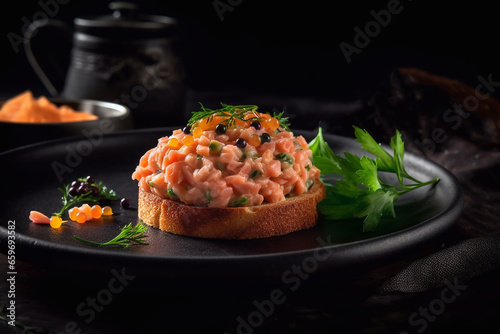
point(232, 157)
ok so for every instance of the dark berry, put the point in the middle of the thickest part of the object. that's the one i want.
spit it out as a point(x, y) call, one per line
point(187, 129)
point(76, 183)
point(125, 203)
point(90, 179)
point(241, 143)
point(265, 137)
point(83, 189)
point(220, 129)
point(94, 190)
point(73, 190)
point(255, 124)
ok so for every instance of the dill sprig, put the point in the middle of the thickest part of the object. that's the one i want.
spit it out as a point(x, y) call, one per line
point(232, 113)
point(128, 236)
point(229, 111)
point(283, 121)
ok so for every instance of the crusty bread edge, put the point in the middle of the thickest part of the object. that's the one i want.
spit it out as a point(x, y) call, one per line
point(266, 220)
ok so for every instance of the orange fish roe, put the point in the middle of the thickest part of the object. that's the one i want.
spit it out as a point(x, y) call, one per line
point(87, 210)
point(55, 221)
point(197, 132)
point(188, 140)
point(271, 123)
point(107, 211)
point(85, 213)
point(96, 211)
point(254, 140)
point(174, 143)
point(73, 212)
point(81, 217)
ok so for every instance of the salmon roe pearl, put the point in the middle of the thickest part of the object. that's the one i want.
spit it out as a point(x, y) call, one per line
point(81, 218)
point(173, 142)
point(254, 140)
point(197, 132)
point(188, 140)
point(73, 212)
point(87, 210)
point(216, 120)
point(107, 211)
point(55, 222)
point(243, 124)
point(272, 123)
point(96, 211)
point(209, 124)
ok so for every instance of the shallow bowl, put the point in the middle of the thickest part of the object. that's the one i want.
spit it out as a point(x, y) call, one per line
point(112, 118)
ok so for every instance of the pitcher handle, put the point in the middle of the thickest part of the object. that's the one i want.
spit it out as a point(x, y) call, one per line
point(30, 32)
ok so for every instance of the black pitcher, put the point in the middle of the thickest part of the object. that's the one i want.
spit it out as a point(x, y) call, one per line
point(125, 57)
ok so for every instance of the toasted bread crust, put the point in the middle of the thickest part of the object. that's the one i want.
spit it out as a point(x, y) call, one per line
point(266, 220)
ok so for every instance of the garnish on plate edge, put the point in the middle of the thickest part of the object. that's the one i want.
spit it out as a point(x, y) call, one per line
point(84, 190)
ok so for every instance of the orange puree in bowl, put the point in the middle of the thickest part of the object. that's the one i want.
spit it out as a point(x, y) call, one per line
point(24, 108)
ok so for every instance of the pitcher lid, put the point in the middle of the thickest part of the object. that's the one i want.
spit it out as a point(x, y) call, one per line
point(126, 21)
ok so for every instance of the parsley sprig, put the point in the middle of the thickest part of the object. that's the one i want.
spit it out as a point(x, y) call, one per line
point(105, 193)
point(362, 193)
point(129, 235)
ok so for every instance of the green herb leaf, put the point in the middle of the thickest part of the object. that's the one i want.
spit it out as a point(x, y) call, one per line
point(171, 193)
point(286, 157)
point(373, 205)
point(385, 161)
point(284, 122)
point(368, 174)
point(208, 196)
point(129, 235)
point(240, 201)
point(361, 193)
point(254, 173)
point(105, 193)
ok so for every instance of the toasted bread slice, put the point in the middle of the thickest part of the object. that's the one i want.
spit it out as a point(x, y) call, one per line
point(262, 221)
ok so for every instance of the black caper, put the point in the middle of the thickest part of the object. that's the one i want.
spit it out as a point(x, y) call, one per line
point(125, 203)
point(265, 137)
point(255, 124)
point(241, 143)
point(187, 129)
point(220, 129)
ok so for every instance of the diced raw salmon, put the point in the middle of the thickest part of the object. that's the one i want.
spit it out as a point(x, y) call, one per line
point(39, 218)
point(197, 176)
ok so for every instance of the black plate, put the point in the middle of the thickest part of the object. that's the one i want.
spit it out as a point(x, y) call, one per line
point(32, 174)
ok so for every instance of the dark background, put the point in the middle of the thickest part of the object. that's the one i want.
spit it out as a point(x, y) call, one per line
point(290, 48)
